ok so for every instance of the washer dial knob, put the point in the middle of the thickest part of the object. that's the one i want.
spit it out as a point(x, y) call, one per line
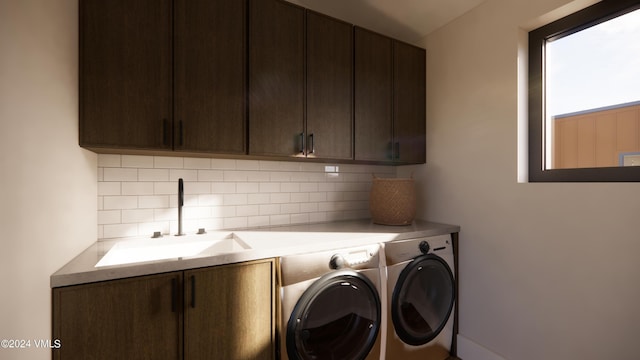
point(337, 262)
point(424, 247)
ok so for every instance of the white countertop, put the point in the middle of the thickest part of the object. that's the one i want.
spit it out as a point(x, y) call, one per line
point(263, 243)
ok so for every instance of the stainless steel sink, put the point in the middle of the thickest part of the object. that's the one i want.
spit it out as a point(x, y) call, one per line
point(171, 247)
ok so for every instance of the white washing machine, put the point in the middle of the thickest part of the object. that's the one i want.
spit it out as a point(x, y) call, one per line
point(331, 305)
point(420, 298)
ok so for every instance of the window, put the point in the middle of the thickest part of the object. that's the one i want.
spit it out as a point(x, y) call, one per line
point(584, 95)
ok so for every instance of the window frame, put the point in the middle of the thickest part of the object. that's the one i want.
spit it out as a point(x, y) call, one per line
point(592, 15)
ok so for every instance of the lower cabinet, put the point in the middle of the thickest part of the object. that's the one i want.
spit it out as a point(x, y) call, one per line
point(221, 312)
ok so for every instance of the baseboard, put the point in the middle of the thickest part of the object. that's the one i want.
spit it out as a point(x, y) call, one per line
point(470, 350)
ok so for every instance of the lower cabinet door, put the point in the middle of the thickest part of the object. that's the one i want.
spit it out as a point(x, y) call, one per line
point(135, 318)
point(229, 310)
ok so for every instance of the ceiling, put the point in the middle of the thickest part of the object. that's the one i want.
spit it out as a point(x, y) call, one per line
point(407, 20)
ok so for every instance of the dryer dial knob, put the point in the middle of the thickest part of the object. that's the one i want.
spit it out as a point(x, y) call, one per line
point(337, 262)
point(424, 247)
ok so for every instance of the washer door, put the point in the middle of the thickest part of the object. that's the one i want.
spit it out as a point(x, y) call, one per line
point(337, 317)
point(422, 299)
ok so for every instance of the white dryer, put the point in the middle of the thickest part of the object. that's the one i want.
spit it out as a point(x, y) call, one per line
point(331, 305)
point(420, 298)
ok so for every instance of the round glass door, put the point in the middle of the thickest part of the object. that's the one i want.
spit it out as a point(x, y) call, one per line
point(422, 299)
point(337, 317)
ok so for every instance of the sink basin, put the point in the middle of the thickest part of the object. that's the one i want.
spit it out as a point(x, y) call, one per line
point(171, 247)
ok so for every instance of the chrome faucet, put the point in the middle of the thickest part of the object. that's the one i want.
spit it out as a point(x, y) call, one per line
point(180, 204)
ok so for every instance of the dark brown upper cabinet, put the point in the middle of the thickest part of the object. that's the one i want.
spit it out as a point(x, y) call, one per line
point(210, 76)
point(265, 78)
point(163, 75)
point(329, 98)
point(409, 101)
point(373, 96)
point(125, 74)
point(276, 78)
point(390, 100)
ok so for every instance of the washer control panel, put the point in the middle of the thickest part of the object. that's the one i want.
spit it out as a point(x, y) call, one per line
point(350, 259)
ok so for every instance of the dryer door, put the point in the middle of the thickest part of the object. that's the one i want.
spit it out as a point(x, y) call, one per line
point(423, 299)
point(337, 317)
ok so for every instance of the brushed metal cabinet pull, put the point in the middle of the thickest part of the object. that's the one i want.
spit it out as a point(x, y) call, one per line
point(301, 143)
point(312, 147)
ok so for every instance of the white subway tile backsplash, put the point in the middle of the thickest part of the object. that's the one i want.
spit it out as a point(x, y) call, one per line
point(186, 175)
point(258, 221)
point(299, 197)
point(269, 209)
point(248, 188)
point(299, 218)
point(166, 162)
point(232, 175)
point(153, 202)
point(280, 198)
point(309, 187)
point(234, 199)
point(257, 199)
point(290, 208)
point(120, 230)
point(120, 174)
point(106, 160)
point(137, 195)
point(137, 216)
point(223, 188)
point(197, 163)
point(137, 161)
point(317, 196)
point(195, 188)
point(280, 219)
point(137, 188)
point(120, 202)
point(109, 217)
point(248, 165)
point(247, 210)
point(269, 187)
point(108, 188)
point(223, 164)
point(153, 175)
point(210, 199)
point(210, 175)
point(236, 222)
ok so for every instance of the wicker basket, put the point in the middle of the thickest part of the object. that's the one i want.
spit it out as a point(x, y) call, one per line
point(392, 201)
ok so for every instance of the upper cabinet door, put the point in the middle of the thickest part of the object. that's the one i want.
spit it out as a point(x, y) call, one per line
point(373, 96)
point(276, 78)
point(125, 74)
point(210, 79)
point(329, 87)
point(409, 101)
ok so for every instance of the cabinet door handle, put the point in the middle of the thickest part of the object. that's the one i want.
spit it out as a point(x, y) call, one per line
point(312, 147)
point(180, 134)
point(302, 143)
point(397, 150)
point(193, 291)
point(174, 295)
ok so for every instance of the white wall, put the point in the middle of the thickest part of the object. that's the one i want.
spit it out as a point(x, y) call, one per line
point(48, 184)
point(547, 271)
